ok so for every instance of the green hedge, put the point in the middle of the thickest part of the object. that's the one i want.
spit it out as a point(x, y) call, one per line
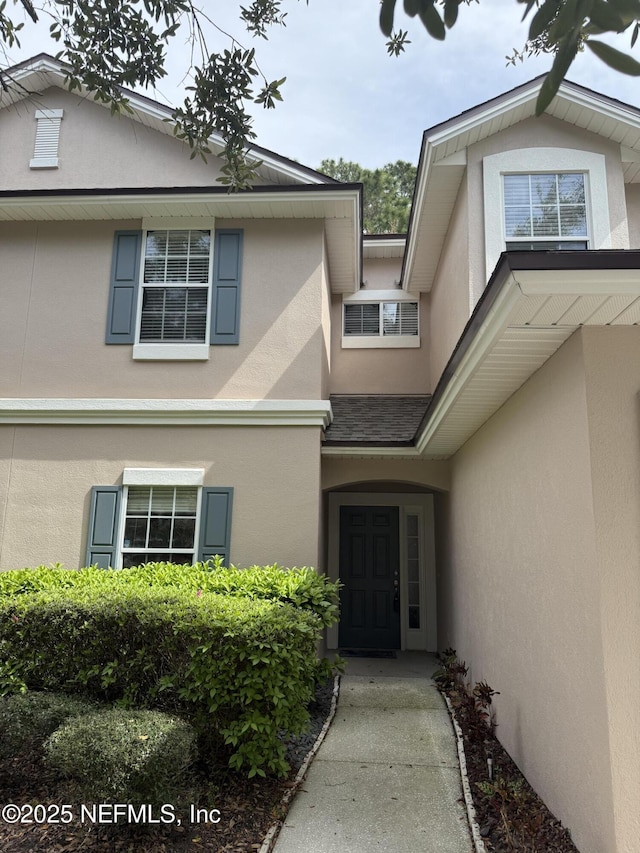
point(241, 669)
point(28, 719)
point(125, 756)
point(302, 587)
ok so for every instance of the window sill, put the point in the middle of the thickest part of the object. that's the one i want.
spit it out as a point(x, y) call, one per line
point(379, 342)
point(171, 352)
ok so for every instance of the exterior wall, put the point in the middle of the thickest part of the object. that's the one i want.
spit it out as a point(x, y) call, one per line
point(449, 299)
point(340, 471)
point(521, 591)
point(633, 213)
point(383, 370)
point(47, 473)
point(54, 345)
point(532, 133)
point(613, 386)
point(95, 149)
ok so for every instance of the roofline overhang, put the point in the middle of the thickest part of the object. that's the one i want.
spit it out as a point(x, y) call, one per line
point(518, 275)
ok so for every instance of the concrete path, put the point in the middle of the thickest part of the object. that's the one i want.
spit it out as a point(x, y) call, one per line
point(386, 777)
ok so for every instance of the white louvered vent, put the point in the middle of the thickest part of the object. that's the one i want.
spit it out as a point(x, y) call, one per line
point(45, 153)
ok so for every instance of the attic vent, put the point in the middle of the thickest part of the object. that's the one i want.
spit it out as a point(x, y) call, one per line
point(45, 153)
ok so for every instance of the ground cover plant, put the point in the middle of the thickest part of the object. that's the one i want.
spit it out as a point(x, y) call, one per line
point(511, 816)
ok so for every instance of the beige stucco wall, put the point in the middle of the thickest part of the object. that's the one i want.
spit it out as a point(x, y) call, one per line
point(543, 132)
point(55, 287)
point(449, 300)
point(613, 405)
point(632, 192)
point(95, 149)
point(521, 590)
point(48, 471)
point(341, 471)
point(382, 370)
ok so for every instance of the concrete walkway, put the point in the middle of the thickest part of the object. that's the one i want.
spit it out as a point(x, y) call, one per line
point(386, 777)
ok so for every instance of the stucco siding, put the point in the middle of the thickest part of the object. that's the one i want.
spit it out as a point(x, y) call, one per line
point(275, 473)
point(633, 213)
point(56, 288)
point(95, 149)
point(519, 589)
point(613, 404)
point(449, 301)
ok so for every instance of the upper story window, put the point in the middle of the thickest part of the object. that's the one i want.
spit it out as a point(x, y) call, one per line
point(545, 211)
point(381, 322)
point(544, 198)
point(175, 287)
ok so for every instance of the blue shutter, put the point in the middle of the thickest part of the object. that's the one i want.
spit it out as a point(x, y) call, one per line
point(123, 293)
point(215, 524)
point(225, 295)
point(102, 541)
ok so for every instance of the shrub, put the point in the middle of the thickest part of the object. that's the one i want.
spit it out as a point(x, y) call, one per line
point(29, 718)
point(124, 756)
point(241, 670)
point(302, 587)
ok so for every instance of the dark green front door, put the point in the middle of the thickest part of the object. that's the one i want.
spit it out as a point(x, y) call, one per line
point(370, 571)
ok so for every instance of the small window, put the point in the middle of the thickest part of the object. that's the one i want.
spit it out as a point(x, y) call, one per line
point(175, 287)
point(381, 319)
point(545, 211)
point(160, 525)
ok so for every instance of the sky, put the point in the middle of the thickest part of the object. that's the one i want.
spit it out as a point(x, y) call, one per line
point(345, 97)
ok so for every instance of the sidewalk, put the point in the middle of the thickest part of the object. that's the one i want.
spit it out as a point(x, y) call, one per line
point(386, 777)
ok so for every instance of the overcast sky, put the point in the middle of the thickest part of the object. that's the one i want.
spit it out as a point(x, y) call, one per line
point(344, 97)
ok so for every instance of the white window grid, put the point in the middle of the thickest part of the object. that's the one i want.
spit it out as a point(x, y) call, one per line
point(545, 210)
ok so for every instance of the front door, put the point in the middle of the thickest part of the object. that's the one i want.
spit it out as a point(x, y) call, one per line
point(369, 568)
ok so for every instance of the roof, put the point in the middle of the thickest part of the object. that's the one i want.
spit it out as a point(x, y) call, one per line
point(41, 72)
point(375, 420)
point(443, 159)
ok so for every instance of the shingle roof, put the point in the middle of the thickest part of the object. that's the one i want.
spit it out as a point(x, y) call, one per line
point(374, 419)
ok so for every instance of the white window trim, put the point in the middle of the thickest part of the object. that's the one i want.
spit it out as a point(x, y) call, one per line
point(169, 482)
point(550, 160)
point(163, 477)
point(174, 351)
point(380, 341)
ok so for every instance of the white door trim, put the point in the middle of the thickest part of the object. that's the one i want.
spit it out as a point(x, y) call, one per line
point(426, 637)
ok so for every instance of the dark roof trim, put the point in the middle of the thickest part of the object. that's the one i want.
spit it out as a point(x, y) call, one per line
point(508, 264)
point(373, 238)
point(206, 190)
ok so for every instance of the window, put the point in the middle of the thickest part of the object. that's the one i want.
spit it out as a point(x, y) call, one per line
point(380, 323)
point(584, 211)
point(545, 211)
point(158, 515)
point(160, 525)
point(175, 286)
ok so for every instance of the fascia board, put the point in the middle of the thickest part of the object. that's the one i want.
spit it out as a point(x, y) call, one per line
point(621, 282)
point(424, 170)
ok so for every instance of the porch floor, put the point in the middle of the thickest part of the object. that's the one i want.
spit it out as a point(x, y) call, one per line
point(386, 777)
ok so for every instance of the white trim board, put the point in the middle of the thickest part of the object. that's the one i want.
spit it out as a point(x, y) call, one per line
point(188, 412)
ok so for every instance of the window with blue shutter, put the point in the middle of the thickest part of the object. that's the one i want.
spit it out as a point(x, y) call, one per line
point(215, 524)
point(123, 292)
point(227, 275)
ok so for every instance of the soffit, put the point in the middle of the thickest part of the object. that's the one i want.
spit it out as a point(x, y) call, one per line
point(338, 206)
point(531, 316)
point(443, 159)
point(383, 246)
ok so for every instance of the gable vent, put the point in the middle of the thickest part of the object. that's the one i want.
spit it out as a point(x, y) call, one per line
point(45, 153)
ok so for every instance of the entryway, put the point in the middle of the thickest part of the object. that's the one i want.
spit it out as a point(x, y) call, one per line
point(381, 546)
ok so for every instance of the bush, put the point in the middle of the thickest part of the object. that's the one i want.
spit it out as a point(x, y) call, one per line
point(29, 718)
point(124, 756)
point(302, 587)
point(241, 670)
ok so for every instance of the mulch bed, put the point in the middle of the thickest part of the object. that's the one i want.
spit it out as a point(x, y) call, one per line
point(510, 814)
point(247, 807)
